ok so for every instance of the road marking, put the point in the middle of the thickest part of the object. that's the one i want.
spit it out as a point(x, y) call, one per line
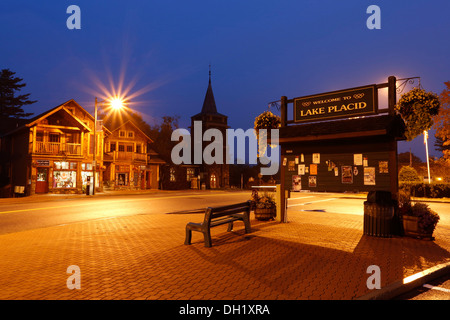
point(300, 198)
point(429, 286)
point(310, 202)
point(121, 201)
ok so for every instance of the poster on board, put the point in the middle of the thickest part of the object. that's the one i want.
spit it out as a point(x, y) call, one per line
point(316, 158)
point(301, 169)
point(383, 166)
point(358, 159)
point(312, 181)
point(296, 183)
point(347, 174)
point(369, 176)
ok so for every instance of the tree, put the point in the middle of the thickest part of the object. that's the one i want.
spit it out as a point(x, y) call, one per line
point(439, 144)
point(11, 105)
point(408, 157)
point(408, 174)
point(161, 134)
point(442, 121)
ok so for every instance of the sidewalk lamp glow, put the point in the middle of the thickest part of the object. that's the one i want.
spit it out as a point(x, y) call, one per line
point(116, 104)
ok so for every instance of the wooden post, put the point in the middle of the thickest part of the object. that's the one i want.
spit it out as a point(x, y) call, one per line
point(283, 109)
point(393, 168)
point(282, 195)
point(392, 94)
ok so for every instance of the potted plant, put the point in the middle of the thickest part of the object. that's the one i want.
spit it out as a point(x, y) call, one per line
point(419, 220)
point(264, 206)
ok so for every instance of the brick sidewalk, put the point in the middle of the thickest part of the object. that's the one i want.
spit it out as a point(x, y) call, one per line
point(314, 256)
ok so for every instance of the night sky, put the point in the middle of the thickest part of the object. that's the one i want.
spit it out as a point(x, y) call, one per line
point(158, 52)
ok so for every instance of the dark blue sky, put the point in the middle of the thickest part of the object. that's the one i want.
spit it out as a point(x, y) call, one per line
point(259, 51)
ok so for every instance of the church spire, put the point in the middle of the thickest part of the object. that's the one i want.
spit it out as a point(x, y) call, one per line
point(210, 73)
point(209, 104)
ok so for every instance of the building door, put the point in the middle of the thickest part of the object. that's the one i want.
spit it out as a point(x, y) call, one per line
point(42, 180)
point(148, 178)
point(213, 181)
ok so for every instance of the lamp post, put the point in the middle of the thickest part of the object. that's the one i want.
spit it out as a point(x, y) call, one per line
point(116, 104)
point(94, 162)
point(425, 141)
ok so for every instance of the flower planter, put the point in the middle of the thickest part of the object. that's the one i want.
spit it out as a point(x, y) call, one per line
point(411, 228)
point(265, 214)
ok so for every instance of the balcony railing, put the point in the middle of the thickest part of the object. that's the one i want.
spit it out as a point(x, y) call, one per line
point(131, 156)
point(56, 148)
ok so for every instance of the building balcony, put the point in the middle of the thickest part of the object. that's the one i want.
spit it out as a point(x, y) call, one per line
point(126, 156)
point(56, 148)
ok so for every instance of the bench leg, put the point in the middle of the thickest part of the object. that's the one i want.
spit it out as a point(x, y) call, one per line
point(247, 223)
point(207, 236)
point(188, 236)
point(230, 226)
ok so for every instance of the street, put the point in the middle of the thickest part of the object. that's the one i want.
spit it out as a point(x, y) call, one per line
point(28, 214)
point(32, 215)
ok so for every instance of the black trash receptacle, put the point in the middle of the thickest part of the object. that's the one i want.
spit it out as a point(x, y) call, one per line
point(379, 215)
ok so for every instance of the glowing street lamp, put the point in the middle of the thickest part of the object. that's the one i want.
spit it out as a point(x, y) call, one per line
point(116, 104)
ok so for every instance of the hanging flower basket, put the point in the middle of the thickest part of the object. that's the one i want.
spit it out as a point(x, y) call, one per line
point(266, 120)
point(417, 108)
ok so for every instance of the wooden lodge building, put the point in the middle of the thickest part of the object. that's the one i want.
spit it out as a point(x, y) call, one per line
point(129, 161)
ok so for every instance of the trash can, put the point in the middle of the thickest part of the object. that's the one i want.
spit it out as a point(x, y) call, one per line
point(379, 212)
point(88, 186)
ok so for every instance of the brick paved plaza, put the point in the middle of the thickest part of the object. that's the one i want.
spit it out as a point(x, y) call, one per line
point(314, 256)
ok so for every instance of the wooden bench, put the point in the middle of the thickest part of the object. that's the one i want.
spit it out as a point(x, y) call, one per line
point(218, 216)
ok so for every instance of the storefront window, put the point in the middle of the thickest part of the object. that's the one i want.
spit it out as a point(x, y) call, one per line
point(172, 175)
point(86, 166)
point(65, 174)
point(64, 179)
point(190, 173)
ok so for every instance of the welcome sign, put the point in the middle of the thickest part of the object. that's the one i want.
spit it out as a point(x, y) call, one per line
point(337, 104)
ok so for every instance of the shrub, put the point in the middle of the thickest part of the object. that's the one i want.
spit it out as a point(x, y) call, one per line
point(428, 219)
point(408, 174)
point(426, 190)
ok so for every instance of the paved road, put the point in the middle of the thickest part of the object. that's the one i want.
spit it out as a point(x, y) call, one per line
point(37, 213)
point(28, 215)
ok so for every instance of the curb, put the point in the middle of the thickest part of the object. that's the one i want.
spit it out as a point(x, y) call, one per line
point(407, 284)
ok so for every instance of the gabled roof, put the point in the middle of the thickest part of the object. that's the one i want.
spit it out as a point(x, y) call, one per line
point(135, 126)
point(62, 107)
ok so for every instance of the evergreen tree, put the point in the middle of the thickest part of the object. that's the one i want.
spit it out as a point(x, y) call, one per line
point(442, 122)
point(11, 105)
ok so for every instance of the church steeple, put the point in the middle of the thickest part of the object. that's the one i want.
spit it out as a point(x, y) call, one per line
point(209, 104)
